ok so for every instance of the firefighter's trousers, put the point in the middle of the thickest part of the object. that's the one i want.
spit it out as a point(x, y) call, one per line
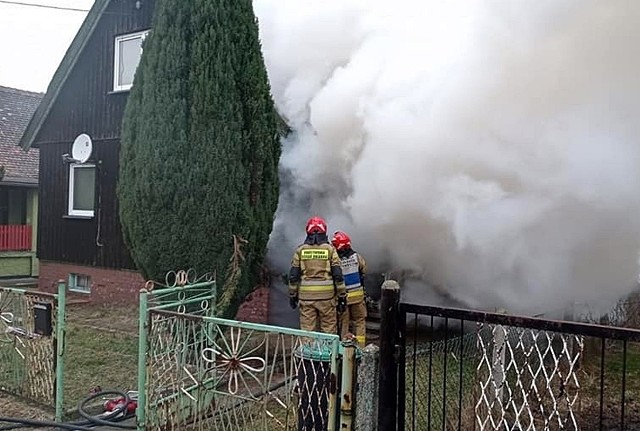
point(356, 315)
point(322, 314)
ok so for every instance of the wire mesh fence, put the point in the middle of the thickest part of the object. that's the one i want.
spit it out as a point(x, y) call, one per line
point(28, 345)
point(527, 379)
point(441, 382)
point(486, 371)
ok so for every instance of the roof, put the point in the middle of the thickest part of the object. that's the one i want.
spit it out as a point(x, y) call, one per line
point(16, 108)
point(62, 73)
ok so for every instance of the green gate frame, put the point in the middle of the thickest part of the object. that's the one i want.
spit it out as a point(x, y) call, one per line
point(27, 298)
point(172, 297)
point(174, 301)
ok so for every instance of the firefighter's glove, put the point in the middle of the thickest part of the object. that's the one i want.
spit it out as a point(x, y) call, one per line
point(293, 301)
point(342, 304)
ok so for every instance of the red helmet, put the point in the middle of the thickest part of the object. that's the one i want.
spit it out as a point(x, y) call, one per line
point(316, 225)
point(341, 240)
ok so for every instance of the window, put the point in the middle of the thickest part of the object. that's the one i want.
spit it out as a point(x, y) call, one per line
point(82, 182)
point(128, 49)
point(79, 283)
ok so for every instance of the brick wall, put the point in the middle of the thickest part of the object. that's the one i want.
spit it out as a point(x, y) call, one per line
point(255, 307)
point(107, 285)
point(119, 286)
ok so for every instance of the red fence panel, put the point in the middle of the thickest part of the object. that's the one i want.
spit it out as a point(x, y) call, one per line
point(15, 237)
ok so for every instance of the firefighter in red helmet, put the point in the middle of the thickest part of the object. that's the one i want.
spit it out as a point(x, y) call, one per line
point(354, 269)
point(315, 280)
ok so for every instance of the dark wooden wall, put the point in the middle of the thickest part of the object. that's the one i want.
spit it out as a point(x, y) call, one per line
point(86, 104)
point(87, 241)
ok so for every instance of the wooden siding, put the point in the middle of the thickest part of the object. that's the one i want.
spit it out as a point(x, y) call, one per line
point(86, 103)
point(87, 241)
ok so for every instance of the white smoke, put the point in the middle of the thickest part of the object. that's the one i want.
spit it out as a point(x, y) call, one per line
point(490, 147)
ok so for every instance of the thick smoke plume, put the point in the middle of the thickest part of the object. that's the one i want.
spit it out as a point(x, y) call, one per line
point(490, 148)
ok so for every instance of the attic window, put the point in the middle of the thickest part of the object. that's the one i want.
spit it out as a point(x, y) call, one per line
point(128, 50)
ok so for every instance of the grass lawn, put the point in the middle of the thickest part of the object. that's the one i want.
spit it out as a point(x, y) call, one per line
point(108, 360)
point(613, 377)
point(433, 394)
point(102, 350)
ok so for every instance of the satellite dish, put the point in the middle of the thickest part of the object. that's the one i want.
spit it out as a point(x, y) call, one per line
point(82, 147)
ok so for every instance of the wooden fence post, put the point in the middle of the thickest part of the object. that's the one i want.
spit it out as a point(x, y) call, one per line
point(388, 376)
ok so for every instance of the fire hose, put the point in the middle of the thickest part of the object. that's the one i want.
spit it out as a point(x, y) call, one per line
point(118, 410)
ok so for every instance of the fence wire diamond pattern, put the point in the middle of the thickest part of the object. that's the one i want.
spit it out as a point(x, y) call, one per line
point(527, 379)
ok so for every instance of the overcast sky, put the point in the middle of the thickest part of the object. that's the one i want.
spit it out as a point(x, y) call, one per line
point(34, 40)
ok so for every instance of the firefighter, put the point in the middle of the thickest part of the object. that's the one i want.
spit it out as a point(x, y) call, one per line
point(315, 280)
point(354, 269)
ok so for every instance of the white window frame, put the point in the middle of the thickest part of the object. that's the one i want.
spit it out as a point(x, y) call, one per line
point(72, 211)
point(116, 57)
point(73, 283)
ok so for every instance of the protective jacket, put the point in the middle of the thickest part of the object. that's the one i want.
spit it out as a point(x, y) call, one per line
point(354, 269)
point(315, 273)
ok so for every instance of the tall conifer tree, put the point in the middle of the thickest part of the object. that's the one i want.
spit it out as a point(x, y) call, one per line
point(200, 147)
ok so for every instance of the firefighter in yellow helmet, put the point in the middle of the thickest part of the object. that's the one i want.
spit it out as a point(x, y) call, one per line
point(315, 280)
point(354, 269)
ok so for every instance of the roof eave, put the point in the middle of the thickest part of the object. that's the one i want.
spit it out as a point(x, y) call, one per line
point(62, 73)
point(19, 182)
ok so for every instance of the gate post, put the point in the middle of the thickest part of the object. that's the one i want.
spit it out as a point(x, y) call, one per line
point(143, 328)
point(366, 392)
point(388, 378)
point(60, 348)
point(347, 399)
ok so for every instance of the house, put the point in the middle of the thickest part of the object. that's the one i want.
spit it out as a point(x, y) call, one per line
point(79, 236)
point(18, 186)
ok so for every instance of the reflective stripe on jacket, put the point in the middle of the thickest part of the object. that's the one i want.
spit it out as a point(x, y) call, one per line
point(315, 262)
point(352, 268)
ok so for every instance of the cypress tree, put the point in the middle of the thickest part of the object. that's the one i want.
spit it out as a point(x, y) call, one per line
point(260, 123)
point(200, 150)
point(155, 135)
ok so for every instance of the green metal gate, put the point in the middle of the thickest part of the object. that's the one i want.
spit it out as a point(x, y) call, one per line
point(199, 372)
point(31, 345)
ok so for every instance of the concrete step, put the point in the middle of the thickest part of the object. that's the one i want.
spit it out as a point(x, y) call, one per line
point(373, 318)
point(20, 283)
point(75, 301)
point(373, 326)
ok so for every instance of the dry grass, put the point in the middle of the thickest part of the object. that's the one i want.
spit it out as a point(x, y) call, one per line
point(102, 350)
point(11, 406)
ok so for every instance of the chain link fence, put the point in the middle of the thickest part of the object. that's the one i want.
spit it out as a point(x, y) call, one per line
point(494, 377)
point(528, 379)
point(488, 371)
